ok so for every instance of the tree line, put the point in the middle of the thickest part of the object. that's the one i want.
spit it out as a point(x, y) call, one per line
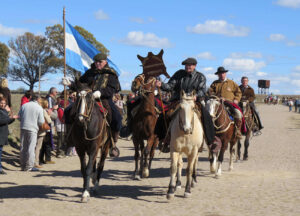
point(28, 57)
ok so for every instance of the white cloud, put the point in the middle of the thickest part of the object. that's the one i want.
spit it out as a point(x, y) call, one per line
point(207, 69)
point(206, 55)
point(296, 83)
point(246, 65)
point(260, 74)
point(246, 55)
point(219, 27)
point(277, 37)
point(296, 71)
point(137, 20)
point(288, 3)
point(138, 38)
point(101, 15)
point(10, 31)
point(280, 79)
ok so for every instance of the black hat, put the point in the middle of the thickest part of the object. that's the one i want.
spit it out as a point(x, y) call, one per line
point(100, 57)
point(221, 70)
point(192, 61)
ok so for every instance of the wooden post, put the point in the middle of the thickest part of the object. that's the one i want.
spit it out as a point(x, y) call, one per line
point(65, 92)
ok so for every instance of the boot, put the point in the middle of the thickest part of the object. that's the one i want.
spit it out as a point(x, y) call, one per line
point(164, 146)
point(238, 126)
point(114, 151)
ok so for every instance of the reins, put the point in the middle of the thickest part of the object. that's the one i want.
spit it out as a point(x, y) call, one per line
point(221, 105)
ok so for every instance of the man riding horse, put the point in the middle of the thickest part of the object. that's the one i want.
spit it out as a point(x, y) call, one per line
point(189, 80)
point(104, 79)
point(249, 95)
point(229, 91)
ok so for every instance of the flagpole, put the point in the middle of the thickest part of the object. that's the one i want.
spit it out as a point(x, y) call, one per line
point(65, 92)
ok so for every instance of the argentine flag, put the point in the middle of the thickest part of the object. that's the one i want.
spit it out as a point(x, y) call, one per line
point(80, 53)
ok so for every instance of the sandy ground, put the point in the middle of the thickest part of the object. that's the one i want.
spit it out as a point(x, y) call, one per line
point(267, 184)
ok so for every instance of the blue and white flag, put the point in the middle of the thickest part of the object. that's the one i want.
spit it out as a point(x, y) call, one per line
point(80, 53)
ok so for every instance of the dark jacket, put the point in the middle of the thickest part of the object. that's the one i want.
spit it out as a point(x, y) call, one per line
point(247, 93)
point(5, 120)
point(6, 93)
point(105, 80)
point(182, 80)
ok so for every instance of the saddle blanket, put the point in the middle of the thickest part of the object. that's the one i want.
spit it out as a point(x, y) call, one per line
point(243, 128)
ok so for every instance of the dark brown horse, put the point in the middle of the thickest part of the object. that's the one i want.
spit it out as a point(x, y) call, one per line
point(89, 133)
point(146, 114)
point(225, 130)
point(249, 121)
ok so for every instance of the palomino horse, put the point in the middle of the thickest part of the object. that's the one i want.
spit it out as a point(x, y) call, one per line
point(225, 130)
point(187, 137)
point(89, 133)
point(143, 125)
point(249, 121)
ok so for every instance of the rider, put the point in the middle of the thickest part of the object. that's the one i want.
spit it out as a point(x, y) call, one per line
point(248, 94)
point(105, 79)
point(227, 89)
point(189, 80)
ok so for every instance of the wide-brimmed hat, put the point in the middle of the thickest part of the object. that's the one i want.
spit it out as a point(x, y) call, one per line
point(99, 57)
point(191, 61)
point(221, 70)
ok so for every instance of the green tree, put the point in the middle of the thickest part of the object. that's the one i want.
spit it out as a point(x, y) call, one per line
point(4, 55)
point(31, 55)
point(55, 36)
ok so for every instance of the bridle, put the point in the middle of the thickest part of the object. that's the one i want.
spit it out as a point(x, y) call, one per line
point(85, 117)
point(180, 118)
point(225, 119)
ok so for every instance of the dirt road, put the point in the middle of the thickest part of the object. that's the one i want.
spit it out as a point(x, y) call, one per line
point(267, 184)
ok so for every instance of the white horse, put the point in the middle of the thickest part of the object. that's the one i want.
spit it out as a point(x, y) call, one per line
point(187, 137)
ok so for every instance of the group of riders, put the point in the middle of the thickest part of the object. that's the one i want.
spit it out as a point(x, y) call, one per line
point(104, 79)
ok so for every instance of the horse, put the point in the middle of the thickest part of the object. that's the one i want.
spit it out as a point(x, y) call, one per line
point(187, 136)
point(89, 132)
point(250, 124)
point(225, 130)
point(144, 121)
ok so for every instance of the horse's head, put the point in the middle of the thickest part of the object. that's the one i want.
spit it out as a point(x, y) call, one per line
point(186, 112)
point(140, 85)
point(212, 105)
point(153, 65)
point(85, 100)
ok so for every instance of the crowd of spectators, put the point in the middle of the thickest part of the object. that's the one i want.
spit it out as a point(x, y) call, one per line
point(42, 128)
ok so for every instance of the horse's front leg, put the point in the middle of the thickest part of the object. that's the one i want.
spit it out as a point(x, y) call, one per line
point(232, 154)
point(194, 175)
point(246, 146)
point(173, 170)
point(146, 153)
point(179, 171)
point(213, 161)
point(220, 161)
point(238, 155)
point(152, 152)
point(104, 153)
point(136, 144)
point(189, 171)
point(88, 171)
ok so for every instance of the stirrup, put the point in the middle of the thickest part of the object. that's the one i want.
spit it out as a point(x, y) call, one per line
point(257, 133)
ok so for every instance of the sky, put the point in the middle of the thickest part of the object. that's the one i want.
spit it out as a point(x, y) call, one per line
point(254, 38)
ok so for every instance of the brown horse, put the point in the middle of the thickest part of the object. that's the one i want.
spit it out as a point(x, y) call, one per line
point(89, 133)
point(250, 124)
point(225, 130)
point(146, 114)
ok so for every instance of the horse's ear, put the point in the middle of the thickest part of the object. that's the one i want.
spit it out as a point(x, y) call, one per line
point(161, 53)
point(150, 54)
point(140, 58)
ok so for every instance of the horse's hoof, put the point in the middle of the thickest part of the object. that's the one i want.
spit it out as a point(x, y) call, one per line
point(245, 158)
point(136, 177)
point(187, 195)
point(145, 173)
point(230, 169)
point(218, 175)
point(178, 187)
point(170, 196)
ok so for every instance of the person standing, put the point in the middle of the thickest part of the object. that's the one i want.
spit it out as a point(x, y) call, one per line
point(31, 117)
point(4, 90)
point(5, 120)
point(229, 91)
point(26, 97)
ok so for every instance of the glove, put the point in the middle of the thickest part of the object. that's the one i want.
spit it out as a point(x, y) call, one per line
point(97, 94)
point(66, 81)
